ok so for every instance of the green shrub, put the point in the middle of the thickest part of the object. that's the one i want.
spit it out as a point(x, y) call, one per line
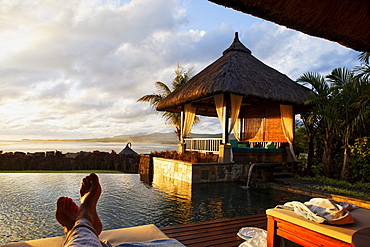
point(336, 182)
point(193, 157)
point(341, 191)
point(360, 160)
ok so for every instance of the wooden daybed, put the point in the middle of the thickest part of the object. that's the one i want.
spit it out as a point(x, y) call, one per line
point(287, 224)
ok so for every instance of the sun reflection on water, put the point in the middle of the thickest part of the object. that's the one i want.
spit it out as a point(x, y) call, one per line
point(27, 202)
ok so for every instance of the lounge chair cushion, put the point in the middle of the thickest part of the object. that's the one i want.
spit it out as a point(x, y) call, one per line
point(154, 243)
point(116, 236)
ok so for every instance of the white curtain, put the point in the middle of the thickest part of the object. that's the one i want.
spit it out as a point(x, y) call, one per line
point(236, 102)
point(287, 121)
point(219, 102)
point(236, 129)
point(189, 119)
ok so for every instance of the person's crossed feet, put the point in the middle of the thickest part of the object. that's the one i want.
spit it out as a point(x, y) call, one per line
point(68, 212)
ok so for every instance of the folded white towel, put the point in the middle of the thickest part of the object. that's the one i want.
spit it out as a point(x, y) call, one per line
point(322, 210)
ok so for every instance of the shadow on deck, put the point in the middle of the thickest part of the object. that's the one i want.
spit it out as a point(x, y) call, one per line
point(214, 233)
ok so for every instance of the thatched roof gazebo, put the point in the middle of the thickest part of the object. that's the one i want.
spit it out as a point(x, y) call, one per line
point(239, 86)
point(346, 21)
point(238, 72)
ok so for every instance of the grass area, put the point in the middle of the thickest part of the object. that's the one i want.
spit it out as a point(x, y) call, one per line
point(72, 171)
point(341, 191)
point(335, 182)
point(339, 186)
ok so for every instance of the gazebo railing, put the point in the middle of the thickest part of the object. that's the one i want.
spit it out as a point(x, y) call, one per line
point(209, 145)
point(263, 144)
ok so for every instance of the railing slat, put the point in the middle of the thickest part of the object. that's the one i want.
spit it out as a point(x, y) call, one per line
point(203, 144)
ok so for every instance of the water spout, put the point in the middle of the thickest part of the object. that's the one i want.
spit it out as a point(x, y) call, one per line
point(250, 174)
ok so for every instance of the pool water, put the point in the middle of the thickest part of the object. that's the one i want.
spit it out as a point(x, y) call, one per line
point(28, 201)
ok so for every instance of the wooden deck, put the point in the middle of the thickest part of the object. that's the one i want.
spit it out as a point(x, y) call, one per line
point(214, 233)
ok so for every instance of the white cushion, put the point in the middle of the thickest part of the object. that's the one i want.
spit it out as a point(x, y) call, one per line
point(116, 236)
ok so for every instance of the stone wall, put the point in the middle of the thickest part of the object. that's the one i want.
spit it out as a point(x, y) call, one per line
point(200, 172)
point(78, 161)
point(175, 169)
point(146, 164)
point(260, 157)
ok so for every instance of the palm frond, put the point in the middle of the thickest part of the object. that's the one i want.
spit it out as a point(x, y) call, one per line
point(152, 99)
point(364, 57)
point(340, 77)
point(182, 76)
point(316, 81)
point(363, 71)
point(162, 88)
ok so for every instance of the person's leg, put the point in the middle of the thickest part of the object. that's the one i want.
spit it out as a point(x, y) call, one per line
point(90, 192)
point(82, 226)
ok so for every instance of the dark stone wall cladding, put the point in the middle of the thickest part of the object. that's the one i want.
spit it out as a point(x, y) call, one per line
point(70, 161)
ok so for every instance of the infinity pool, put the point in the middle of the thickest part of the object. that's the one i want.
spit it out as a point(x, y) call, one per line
point(27, 202)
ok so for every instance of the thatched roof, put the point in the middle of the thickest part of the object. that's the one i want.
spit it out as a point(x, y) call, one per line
point(238, 72)
point(345, 21)
point(127, 151)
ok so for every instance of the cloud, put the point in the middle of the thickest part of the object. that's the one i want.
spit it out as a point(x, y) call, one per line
point(207, 125)
point(294, 53)
point(74, 69)
point(82, 57)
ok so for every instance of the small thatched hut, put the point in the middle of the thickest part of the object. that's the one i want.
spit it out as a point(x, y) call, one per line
point(127, 151)
point(256, 98)
point(346, 21)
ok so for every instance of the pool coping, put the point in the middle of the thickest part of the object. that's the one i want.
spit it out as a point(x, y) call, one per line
point(301, 189)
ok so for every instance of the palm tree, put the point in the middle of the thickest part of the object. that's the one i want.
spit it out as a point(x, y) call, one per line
point(182, 76)
point(363, 73)
point(321, 115)
point(312, 124)
point(350, 92)
point(341, 105)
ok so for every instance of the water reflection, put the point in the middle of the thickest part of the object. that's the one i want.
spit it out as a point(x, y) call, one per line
point(27, 202)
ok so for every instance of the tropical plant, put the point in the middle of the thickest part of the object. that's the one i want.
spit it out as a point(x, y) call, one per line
point(341, 105)
point(360, 157)
point(182, 76)
point(320, 98)
point(363, 74)
point(350, 113)
point(192, 156)
point(311, 124)
point(363, 71)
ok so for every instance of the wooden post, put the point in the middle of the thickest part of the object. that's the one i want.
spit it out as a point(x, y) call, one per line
point(226, 119)
point(182, 120)
point(241, 129)
point(182, 146)
point(273, 240)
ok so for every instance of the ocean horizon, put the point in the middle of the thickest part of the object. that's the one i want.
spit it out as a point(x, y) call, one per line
point(29, 146)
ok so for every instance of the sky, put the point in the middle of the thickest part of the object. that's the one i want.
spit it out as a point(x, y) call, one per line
point(75, 69)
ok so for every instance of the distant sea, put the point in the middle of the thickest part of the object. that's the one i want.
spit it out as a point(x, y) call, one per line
point(77, 146)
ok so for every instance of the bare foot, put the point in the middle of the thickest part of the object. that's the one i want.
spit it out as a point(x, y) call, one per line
point(90, 189)
point(90, 192)
point(66, 213)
